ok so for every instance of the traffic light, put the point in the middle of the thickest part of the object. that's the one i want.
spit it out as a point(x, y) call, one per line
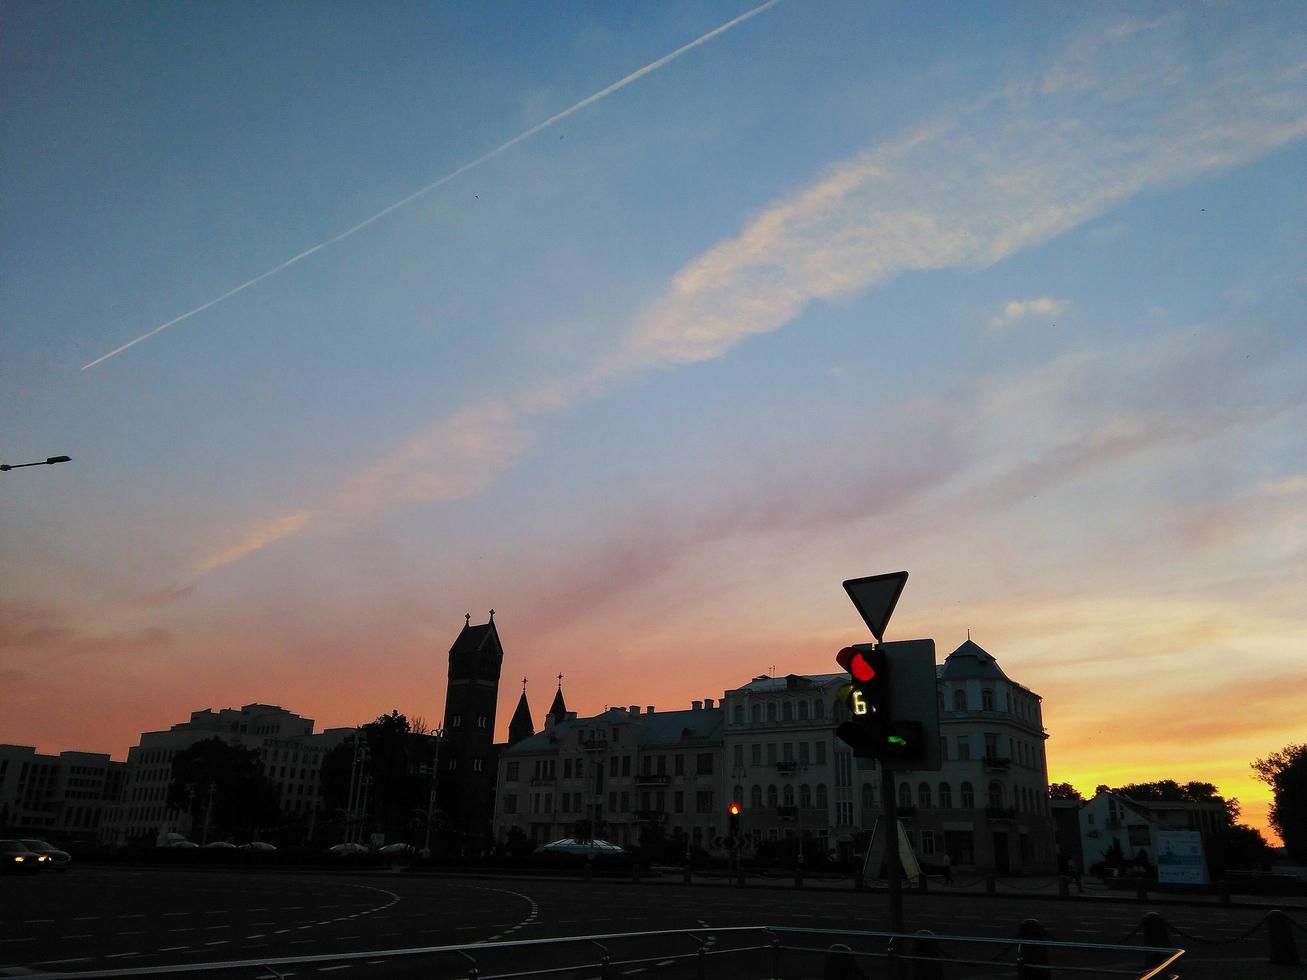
point(867, 695)
point(733, 819)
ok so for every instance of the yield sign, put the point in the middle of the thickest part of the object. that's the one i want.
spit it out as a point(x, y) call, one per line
point(875, 598)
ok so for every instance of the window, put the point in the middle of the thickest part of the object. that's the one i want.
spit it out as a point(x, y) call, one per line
point(455, 722)
point(986, 700)
point(803, 752)
point(482, 721)
point(626, 802)
point(739, 756)
point(868, 796)
point(613, 763)
point(771, 753)
point(567, 768)
point(991, 745)
point(680, 765)
point(923, 795)
point(737, 714)
point(703, 801)
point(787, 711)
point(821, 753)
point(788, 795)
point(626, 765)
point(646, 765)
point(803, 711)
point(476, 765)
point(773, 800)
point(755, 713)
point(771, 711)
point(821, 795)
point(662, 765)
point(549, 803)
point(738, 795)
point(755, 754)
point(964, 747)
point(755, 797)
point(612, 802)
point(678, 801)
point(787, 752)
point(968, 797)
point(995, 795)
point(945, 796)
point(943, 748)
point(703, 764)
point(844, 813)
point(805, 795)
point(927, 843)
point(576, 770)
point(905, 795)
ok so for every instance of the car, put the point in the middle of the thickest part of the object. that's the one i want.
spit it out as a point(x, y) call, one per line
point(178, 841)
point(58, 859)
point(17, 858)
point(219, 845)
point(398, 850)
point(263, 847)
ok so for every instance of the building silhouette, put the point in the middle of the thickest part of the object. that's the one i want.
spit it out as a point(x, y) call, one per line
point(72, 796)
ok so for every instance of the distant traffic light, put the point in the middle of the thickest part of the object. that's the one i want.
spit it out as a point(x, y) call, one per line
point(733, 812)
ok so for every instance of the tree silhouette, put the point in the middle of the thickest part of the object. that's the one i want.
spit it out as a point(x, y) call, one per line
point(1063, 791)
point(244, 800)
point(1286, 773)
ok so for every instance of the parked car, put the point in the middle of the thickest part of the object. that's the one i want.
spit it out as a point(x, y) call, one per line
point(17, 858)
point(262, 847)
point(398, 850)
point(177, 841)
point(219, 845)
point(348, 850)
point(59, 859)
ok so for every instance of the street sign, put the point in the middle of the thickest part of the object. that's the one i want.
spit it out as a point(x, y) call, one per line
point(875, 598)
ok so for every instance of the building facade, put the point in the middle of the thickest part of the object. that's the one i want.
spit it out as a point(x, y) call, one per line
point(290, 751)
point(771, 746)
point(1115, 827)
point(71, 796)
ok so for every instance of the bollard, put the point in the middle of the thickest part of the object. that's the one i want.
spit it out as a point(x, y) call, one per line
point(929, 965)
point(841, 964)
point(1032, 961)
point(1063, 886)
point(1156, 933)
point(1279, 934)
point(991, 886)
point(1223, 891)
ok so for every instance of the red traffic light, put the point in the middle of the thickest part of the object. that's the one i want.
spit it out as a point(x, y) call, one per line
point(734, 809)
point(855, 663)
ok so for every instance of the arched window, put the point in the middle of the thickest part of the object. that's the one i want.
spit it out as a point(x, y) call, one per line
point(788, 794)
point(868, 796)
point(755, 798)
point(772, 800)
point(986, 700)
point(923, 796)
point(968, 797)
point(755, 712)
point(803, 711)
point(995, 795)
point(959, 699)
point(821, 795)
point(787, 711)
point(737, 714)
point(945, 796)
point(771, 711)
point(805, 795)
point(817, 710)
point(905, 795)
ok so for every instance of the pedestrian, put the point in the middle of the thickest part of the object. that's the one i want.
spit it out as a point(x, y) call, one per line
point(1073, 870)
point(948, 869)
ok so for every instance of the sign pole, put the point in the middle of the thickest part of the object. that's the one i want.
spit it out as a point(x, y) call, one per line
point(893, 863)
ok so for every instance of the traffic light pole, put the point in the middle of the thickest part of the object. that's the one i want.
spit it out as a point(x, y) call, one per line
point(893, 863)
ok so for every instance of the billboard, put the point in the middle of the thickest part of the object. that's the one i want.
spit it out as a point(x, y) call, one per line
point(1180, 858)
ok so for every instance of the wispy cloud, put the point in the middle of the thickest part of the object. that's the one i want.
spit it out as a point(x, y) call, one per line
point(967, 189)
point(1042, 307)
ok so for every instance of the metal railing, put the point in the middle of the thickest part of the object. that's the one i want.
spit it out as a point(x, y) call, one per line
point(774, 951)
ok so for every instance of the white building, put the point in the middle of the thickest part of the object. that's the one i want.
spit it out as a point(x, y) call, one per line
point(1116, 825)
point(290, 751)
point(772, 747)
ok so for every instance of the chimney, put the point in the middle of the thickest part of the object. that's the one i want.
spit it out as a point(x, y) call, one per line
point(635, 709)
point(696, 705)
point(707, 702)
point(649, 709)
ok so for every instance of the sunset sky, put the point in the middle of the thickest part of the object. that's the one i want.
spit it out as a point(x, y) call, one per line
point(1009, 296)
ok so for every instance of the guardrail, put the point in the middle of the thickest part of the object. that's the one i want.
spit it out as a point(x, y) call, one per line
point(773, 951)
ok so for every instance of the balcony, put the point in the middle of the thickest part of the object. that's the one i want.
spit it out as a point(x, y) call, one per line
point(594, 744)
point(649, 779)
point(997, 762)
point(790, 767)
point(651, 816)
point(1000, 813)
point(543, 780)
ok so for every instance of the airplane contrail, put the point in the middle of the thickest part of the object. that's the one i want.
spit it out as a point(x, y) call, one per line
point(503, 147)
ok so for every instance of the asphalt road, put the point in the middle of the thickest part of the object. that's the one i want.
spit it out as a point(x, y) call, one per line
point(133, 919)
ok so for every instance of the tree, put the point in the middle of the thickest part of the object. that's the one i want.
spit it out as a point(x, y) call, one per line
point(1239, 846)
point(244, 801)
point(1169, 791)
point(1286, 773)
point(1063, 791)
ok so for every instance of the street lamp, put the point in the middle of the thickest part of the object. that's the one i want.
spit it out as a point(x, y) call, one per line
point(49, 460)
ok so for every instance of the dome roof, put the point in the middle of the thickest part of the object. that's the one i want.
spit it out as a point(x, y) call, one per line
point(970, 662)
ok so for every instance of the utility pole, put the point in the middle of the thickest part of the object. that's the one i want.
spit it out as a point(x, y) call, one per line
point(893, 863)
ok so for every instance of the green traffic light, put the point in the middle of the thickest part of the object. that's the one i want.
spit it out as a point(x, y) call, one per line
point(895, 740)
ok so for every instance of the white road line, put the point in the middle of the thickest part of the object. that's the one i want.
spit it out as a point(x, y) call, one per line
point(329, 969)
point(85, 918)
point(79, 935)
point(638, 969)
point(665, 963)
point(122, 956)
point(170, 949)
point(33, 922)
point(257, 935)
point(74, 959)
point(184, 929)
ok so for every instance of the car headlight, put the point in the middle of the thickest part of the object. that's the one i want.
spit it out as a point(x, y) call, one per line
point(19, 858)
point(43, 857)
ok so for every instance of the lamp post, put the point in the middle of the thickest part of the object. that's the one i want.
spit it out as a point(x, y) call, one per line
point(439, 736)
point(48, 461)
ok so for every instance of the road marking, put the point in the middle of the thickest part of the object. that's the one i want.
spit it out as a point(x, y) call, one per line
point(122, 956)
point(133, 915)
point(328, 969)
point(257, 935)
point(32, 922)
point(170, 949)
point(218, 942)
point(74, 959)
point(638, 969)
point(168, 914)
point(79, 935)
point(664, 962)
point(216, 912)
point(85, 918)
point(183, 929)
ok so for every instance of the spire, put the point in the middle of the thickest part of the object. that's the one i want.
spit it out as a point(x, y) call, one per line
point(521, 726)
point(559, 708)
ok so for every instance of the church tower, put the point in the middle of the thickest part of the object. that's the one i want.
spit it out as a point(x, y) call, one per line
point(521, 726)
point(468, 762)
